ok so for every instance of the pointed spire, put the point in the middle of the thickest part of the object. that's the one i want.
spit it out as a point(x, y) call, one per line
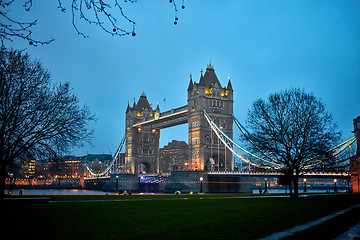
point(209, 66)
point(201, 78)
point(190, 87)
point(128, 107)
point(229, 86)
point(157, 107)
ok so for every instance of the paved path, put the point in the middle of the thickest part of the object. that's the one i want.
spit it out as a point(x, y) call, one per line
point(291, 231)
point(353, 233)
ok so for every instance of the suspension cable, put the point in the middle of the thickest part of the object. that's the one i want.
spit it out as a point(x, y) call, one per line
point(224, 138)
point(108, 168)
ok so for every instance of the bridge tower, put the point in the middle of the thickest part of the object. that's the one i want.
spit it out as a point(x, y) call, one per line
point(142, 142)
point(205, 151)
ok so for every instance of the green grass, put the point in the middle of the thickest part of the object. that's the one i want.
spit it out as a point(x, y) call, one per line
point(215, 216)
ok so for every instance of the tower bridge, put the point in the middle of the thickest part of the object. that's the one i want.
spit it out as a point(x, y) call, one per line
point(143, 125)
point(209, 117)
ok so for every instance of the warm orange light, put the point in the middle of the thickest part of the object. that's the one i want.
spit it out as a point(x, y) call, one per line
point(139, 129)
point(224, 93)
point(208, 90)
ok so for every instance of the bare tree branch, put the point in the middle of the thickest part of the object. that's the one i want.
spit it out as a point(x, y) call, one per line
point(109, 15)
point(37, 119)
point(291, 128)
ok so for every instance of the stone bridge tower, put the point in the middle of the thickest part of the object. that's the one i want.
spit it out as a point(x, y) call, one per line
point(142, 143)
point(206, 152)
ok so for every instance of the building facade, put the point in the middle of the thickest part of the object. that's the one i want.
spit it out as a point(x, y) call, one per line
point(355, 160)
point(174, 157)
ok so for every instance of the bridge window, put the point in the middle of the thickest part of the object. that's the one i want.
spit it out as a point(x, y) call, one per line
point(195, 141)
point(195, 123)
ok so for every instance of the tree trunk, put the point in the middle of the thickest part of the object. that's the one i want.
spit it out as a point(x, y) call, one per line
point(296, 187)
point(2, 181)
point(296, 184)
point(290, 189)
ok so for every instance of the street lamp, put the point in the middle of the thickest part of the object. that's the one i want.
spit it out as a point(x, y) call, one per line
point(335, 181)
point(305, 190)
point(117, 185)
point(10, 186)
point(266, 191)
point(201, 180)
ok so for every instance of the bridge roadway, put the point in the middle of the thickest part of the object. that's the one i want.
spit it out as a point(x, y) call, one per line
point(343, 175)
point(269, 174)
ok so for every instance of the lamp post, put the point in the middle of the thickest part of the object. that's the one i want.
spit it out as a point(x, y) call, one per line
point(305, 190)
point(117, 185)
point(10, 186)
point(266, 191)
point(335, 181)
point(201, 180)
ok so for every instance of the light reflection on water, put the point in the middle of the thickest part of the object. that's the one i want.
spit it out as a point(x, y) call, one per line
point(83, 191)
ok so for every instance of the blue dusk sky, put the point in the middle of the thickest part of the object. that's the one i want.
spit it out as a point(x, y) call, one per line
point(265, 45)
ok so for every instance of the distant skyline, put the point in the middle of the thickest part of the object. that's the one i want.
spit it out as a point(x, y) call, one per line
point(265, 45)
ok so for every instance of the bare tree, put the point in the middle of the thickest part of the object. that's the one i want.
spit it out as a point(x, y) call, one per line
point(109, 15)
point(292, 131)
point(37, 118)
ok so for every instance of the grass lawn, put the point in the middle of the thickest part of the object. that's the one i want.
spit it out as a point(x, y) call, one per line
point(172, 217)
